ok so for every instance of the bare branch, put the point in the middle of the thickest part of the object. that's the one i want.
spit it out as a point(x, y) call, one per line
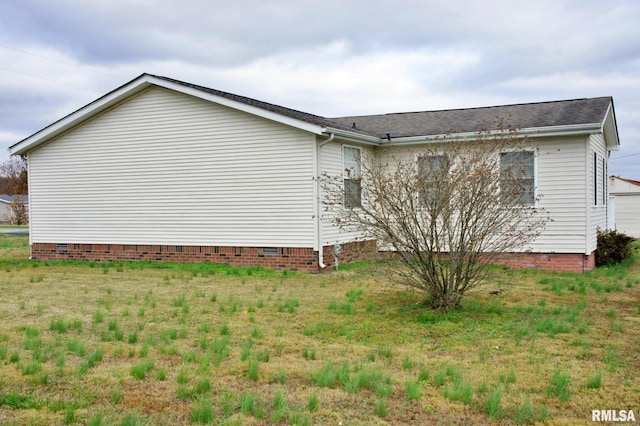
point(447, 212)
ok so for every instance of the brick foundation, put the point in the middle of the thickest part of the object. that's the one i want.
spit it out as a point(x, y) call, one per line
point(278, 258)
point(569, 262)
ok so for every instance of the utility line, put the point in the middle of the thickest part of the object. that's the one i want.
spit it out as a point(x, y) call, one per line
point(624, 156)
point(49, 79)
point(61, 62)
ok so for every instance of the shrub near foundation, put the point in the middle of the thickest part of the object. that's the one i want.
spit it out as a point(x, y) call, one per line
point(613, 247)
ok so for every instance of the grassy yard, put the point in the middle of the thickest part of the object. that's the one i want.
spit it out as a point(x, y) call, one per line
point(130, 344)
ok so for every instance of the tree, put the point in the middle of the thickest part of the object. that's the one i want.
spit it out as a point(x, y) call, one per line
point(448, 212)
point(13, 176)
point(18, 214)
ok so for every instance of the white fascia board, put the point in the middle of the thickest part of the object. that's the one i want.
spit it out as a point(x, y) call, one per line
point(133, 87)
point(79, 116)
point(574, 129)
point(609, 129)
point(354, 137)
point(250, 109)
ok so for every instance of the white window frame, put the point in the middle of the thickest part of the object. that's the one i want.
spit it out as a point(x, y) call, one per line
point(596, 178)
point(346, 176)
point(417, 159)
point(535, 171)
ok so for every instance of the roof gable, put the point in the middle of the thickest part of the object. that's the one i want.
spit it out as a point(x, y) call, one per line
point(290, 117)
point(569, 116)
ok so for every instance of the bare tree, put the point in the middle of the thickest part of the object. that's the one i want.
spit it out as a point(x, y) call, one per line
point(447, 212)
point(13, 176)
point(18, 213)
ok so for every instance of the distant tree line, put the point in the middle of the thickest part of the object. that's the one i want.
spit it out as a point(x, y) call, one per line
point(13, 176)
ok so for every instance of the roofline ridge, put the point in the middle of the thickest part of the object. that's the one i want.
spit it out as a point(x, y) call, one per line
point(201, 87)
point(471, 108)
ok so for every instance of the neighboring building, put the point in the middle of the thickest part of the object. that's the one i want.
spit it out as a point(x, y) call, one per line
point(159, 169)
point(624, 205)
point(5, 203)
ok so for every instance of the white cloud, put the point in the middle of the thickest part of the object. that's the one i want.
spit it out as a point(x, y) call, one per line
point(332, 59)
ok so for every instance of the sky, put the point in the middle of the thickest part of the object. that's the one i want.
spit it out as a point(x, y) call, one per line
point(330, 58)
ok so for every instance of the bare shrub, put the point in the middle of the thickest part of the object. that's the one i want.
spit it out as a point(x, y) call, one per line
point(447, 212)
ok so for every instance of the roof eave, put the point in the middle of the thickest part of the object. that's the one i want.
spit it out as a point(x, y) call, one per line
point(609, 129)
point(354, 136)
point(136, 85)
point(86, 112)
point(565, 130)
point(250, 109)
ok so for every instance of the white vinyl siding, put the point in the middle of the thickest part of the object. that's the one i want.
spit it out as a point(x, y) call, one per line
point(597, 212)
point(560, 182)
point(626, 199)
point(627, 213)
point(561, 177)
point(331, 164)
point(167, 168)
point(351, 176)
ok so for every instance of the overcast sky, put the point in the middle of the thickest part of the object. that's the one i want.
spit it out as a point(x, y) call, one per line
point(326, 57)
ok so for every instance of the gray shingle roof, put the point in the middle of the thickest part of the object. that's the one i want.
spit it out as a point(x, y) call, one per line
point(428, 123)
point(287, 112)
point(424, 123)
point(533, 115)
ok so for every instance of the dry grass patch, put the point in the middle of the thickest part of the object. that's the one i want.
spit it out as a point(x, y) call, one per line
point(175, 344)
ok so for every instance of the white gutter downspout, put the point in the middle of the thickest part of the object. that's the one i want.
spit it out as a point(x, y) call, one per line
point(319, 202)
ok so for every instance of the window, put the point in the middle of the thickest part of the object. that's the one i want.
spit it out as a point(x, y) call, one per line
point(351, 165)
point(604, 182)
point(517, 172)
point(595, 178)
point(431, 168)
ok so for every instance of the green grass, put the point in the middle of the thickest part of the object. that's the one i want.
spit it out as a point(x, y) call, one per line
point(140, 370)
point(413, 391)
point(594, 381)
point(493, 406)
point(202, 411)
point(208, 344)
point(559, 386)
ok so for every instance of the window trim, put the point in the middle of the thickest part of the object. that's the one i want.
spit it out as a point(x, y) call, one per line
point(345, 177)
point(604, 182)
point(535, 171)
point(595, 178)
point(417, 161)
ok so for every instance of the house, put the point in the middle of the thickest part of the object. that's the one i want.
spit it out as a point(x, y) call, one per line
point(160, 169)
point(624, 205)
point(5, 203)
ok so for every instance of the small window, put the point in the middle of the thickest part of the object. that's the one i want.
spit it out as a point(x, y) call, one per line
point(432, 169)
point(595, 178)
point(604, 182)
point(352, 170)
point(272, 251)
point(517, 171)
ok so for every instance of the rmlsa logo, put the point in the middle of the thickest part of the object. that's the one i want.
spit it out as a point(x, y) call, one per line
point(612, 416)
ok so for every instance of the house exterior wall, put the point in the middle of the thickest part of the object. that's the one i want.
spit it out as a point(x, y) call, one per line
point(4, 211)
point(560, 181)
point(332, 167)
point(165, 168)
point(597, 183)
point(627, 206)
